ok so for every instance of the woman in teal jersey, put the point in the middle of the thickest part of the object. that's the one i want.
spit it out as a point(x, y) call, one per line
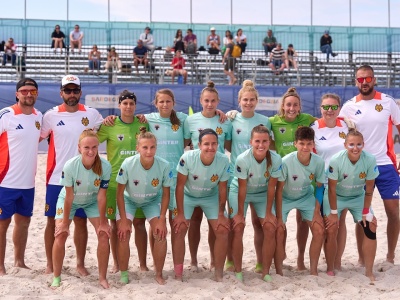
point(202, 182)
point(85, 178)
point(194, 124)
point(242, 126)
point(256, 174)
point(121, 143)
point(144, 181)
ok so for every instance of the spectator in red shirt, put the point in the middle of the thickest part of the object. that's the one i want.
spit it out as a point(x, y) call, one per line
point(178, 63)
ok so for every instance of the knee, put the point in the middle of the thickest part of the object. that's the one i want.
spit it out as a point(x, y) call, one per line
point(317, 230)
point(238, 230)
point(5, 223)
point(61, 238)
point(102, 237)
point(280, 234)
point(222, 232)
point(269, 230)
point(139, 224)
point(331, 232)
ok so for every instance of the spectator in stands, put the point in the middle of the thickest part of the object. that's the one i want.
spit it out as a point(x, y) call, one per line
point(75, 39)
point(213, 42)
point(147, 39)
point(57, 39)
point(178, 63)
point(229, 61)
point(277, 58)
point(269, 42)
point(190, 41)
point(225, 39)
point(241, 40)
point(178, 41)
point(326, 41)
point(140, 55)
point(113, 60)
point(94, 59)
point(291, 57)
point(10, 50)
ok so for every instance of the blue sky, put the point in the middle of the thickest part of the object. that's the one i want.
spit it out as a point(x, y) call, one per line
point(369, 13)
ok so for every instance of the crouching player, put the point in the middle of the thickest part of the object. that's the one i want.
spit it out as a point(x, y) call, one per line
point(350, 171)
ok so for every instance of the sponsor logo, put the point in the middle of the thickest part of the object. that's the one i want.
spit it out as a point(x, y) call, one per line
point(19, 127)
point(61, 123)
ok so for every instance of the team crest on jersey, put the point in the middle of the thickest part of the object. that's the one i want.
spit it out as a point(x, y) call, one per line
point(230, 210)
point(97, 182)
point(238, 169)
point(121, 172)
point(110, 210)
point(378, 107)
point(214, 178)
point(182, 162)
point(282, 130)
point(155, 182)
point(136, 182)
point(37, 125)
point(195, 177)
point(238, 131)
point(199, 130)
point(330, 169)
point(342, 135)
point(85, 121)
point(78, 182)
point(250, 175)
point(295, 177)
point(362, 175)
point(219, 130)
point(59, 211)
point(157, 127)
point(311, 176)
point(137, 135)
point(175, 212)
point(46, 208)
point(175, 127)
point(266, 174)
point(120, 137)
point(345, 176)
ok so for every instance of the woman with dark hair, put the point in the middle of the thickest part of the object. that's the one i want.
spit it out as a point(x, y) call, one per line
point(178, 41)
point(57, 37)
point(241, 40)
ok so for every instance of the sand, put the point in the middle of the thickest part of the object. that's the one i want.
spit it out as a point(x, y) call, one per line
point(349, 283)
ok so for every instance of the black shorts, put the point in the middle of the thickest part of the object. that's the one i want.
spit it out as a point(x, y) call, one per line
point(230, 64)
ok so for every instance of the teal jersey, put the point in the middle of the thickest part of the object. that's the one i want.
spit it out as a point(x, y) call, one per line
point(202, 181)
point(351, 177)
point(121, 142)
point(241, 131)
point(143, 186)
point(256, 174)
point(170, 141)
point(197, 122)
point(85, 182)
point(298, 178)
point(284, 132)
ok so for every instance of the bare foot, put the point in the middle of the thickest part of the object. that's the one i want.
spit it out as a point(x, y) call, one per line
point(104, 284)
point(212, 266)
point(194, 268)
point(114, 269)
point(3, 271)
point(218, 278)
point(338, 266)
point(160, 280)
point(314, 273)
point(82, 271)
point(301, 266)
point(21, 265)
point(361, 262)
point(390, 259)
point(143, 268)
point(371, 278)
point(49, 270)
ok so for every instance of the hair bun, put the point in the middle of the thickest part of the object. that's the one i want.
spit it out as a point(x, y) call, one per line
point(291, 90)
point(248, 83)
point(210, 84)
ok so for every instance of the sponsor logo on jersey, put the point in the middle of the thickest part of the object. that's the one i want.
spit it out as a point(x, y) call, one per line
point(182, 162)
point(157, 127)
point(362, 175)
point(295, 177)
point(378, 107)
point(136, 182)
point(85, 121)
point(120, 137)
point(311, 176)
point(195, 177)
point(37, 125)
point(62, 174)
point(155, 182)
point(78, 182)
point(121, 172)
point(61, 123)
point(238, 169)
point(19, 127)
point(396, 193)
point(250, 175)
point(345, 176)
point(199, 130)
point(282, 130)
point(238, 131)
point(342, 135)
point(175, 127)
point(330, 169)
point(170, 174)
point(358, 112)
point(322, 139)
point(214, 178)
point(219, 130)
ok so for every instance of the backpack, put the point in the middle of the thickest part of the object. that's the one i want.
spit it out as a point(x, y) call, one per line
point(237, 51)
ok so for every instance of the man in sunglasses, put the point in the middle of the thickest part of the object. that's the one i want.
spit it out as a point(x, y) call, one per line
point(62, 125)
point(374, 114)
point(19, 135)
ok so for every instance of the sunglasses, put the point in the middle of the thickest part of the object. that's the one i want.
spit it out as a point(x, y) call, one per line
point(25, 92)
point(367, 79)
point(351, 146)
point(69, 91)
point(327, 107)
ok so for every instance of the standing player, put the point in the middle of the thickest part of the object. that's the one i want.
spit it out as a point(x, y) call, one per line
point(63, 124)
point(19, 136)
point(375, 113)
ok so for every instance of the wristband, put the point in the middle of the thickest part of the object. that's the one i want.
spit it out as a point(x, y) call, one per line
point(368, 194)
point(334, 212)
point(365, 211)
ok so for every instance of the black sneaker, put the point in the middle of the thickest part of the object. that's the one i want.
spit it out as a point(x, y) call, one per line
point(334, 54)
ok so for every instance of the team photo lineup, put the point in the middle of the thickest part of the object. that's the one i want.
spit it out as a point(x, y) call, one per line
point(172, 169)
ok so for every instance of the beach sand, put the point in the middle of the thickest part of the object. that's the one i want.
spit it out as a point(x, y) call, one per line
point(350, 283)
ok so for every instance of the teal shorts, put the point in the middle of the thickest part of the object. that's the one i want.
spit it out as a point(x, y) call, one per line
point(111, 207)
point(259, 202)
point(209, 205)
point(354, 204)
point(306, 206)
point(150, 209)
point(91, 209)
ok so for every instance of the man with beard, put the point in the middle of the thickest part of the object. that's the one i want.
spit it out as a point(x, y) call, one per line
point(62, 125)
point(19, 136)
point(374, 114)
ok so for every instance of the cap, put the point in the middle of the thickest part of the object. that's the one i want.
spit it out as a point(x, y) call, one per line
point(70, 79)
point(212, 29)
point(147, 28)
point(326, 32)
point(290, 45)
point(25, 82)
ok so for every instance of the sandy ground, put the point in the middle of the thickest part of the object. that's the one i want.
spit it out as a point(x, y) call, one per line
point(349, 283)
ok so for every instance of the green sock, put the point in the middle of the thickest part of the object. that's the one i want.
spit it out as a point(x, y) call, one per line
point(228, 264)
point(239, 276)
point(267, 278)
point(56, 281)
point(124, 277)
point(258, 268)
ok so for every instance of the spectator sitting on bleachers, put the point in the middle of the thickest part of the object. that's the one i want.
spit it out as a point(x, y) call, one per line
point(75, 39)
point(277, 58)
point(178, 63)
point(10, 50)
point(57, 37)
point(140, 55)
point(291, 57)
point(269, 42)
point(213, 41)
point(113, 60)
point(178, 41)
point(94, 59)
point(147, 38)
point(326, 41)
point(241, 40)
point(190, 41)
point(229, 61)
